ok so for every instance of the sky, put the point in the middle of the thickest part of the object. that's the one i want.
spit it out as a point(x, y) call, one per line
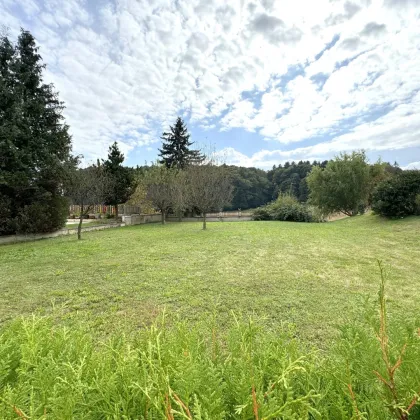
point(261, 82)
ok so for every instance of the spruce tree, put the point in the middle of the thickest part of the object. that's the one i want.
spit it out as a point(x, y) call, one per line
point(120, 178)
point(176, 152)
point(35, 146)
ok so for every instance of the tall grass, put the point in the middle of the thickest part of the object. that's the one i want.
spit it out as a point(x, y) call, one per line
point(186, 371)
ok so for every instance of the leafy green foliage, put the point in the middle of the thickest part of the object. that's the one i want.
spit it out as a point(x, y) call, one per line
point(251, 188)
point(255, 187)
point(44, 216)
point(398, 196)
point(120, 179)
point(290, 178)
point(198, 371)
point(343, 186)
point(34, 142)
point(288, 209)
point(176, 152)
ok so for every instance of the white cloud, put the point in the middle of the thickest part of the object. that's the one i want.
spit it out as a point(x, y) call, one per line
point(125, 69)
point(412, 165)
point(264, 159)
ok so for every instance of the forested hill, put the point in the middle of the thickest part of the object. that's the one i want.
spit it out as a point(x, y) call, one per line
point(255, 187)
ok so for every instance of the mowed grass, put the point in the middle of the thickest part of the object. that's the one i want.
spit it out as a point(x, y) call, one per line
point(313, 275)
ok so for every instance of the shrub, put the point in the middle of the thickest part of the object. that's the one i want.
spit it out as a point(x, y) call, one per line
point(397, 197)
point(43, 216)
point(261, 213)
point(287, 208)
point(7, 222)
point(201, 372)
point(417, 202)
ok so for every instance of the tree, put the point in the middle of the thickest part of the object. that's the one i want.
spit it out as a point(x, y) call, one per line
point(120, 178)
point(251, 188)
point(88, 187)
point(398, 196)
point(291, 179)
point(343, 186)
point(176, 152)
point(180, 196)
point(160, 182)
point(35, 146)
point(209, 188)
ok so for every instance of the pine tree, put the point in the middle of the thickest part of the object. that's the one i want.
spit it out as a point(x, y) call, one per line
point(176, 152)
point(35, 146)
point(120, 178)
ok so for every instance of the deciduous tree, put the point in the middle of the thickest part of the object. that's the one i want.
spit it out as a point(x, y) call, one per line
point(343, 186)
point(209, 188)
point(160, 187)
point(86, 188)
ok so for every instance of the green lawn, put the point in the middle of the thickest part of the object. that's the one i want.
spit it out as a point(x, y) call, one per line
point(313, 275)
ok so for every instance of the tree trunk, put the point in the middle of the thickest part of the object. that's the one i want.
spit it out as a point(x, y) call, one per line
point(204, 221)
point(79, 227)
point(180, 216)
point(116, 212)
point(163, 217)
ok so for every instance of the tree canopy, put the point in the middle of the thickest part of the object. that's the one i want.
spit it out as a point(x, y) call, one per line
point(159, 183)
point(209, 188)
point(176, 152)
point(35, 146)
point(398, 196)
point(120, 178)
point(343, 185)
point(251, 188)
point(87, 187)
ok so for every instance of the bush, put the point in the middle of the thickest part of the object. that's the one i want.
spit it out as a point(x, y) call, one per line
point(398, 196)
point(417, 202)
point(287, 208)
point(7, 223)
point(261, 213)
point(47, 215)
point(201, 372)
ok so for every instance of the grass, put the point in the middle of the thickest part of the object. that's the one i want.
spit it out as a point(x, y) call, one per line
point(313, 275)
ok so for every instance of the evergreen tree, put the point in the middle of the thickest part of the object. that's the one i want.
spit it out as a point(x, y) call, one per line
point(35, 146)
point(120, 178)
point(176, 152)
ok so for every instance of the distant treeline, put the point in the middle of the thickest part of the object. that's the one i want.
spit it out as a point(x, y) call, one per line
point(256, 187)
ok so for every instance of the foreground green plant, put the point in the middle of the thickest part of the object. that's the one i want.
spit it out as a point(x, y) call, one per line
point(199, 372)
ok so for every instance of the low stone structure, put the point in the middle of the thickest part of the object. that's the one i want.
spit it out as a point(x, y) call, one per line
point(11, 239)
point(140, 219)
